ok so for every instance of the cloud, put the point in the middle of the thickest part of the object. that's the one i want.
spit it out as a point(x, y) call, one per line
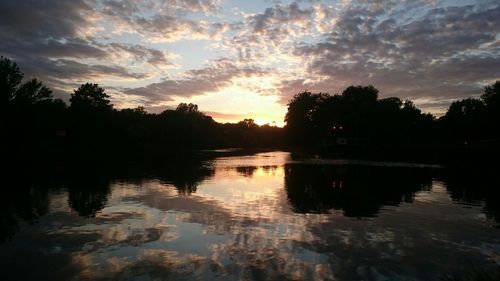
point(140, 53)
point(206, 6)
point(411, 49)
point(162, 21)
point(127, 7)
point(218, 74)
point(46, 28)
point(57, 41)
point(279, 15)
point(437, 52)
point(275, 25)
point(37, 19)
point(64, 75)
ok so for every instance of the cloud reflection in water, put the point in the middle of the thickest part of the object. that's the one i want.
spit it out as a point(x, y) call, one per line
point(257, 217)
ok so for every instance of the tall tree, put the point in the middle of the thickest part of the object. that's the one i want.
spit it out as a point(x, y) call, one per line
point(360, 95)
point(300, 123)
point(10, 79)
point(187, 108)
point(491, 98)
point(90, 97)
point(491, 94)
point(92, 123)
point(31, 92)
point(13, 92)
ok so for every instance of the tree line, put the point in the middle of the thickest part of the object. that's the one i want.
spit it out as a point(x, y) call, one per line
point(358, 117)
point(34, 122)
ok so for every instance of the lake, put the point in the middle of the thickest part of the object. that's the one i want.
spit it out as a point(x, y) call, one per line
point(232, 215)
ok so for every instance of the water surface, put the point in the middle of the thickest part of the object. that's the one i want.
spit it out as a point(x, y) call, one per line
point(261, 216)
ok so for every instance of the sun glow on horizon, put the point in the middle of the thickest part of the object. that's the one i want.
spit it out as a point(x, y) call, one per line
point(259, 120)
point(237, 102)
point(242, 60)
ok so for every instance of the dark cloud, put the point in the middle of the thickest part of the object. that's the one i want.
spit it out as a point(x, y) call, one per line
point(36, 19)
point(52, 40)
point(262, 22)
point(46, 28)
point(140, 53)
point(62, 75)
point(272, 24)
point(172, 7)
point(74, 69)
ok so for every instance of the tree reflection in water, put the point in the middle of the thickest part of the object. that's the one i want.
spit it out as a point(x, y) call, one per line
point(475, 187)
point(246, 219)
point(359, 191)
point(27, 203)
point(88, 195)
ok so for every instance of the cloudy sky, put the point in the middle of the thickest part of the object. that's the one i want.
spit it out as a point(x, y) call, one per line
point(245, 59)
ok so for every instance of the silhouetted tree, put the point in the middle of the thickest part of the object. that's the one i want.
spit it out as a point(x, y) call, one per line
point(187, 108)
point(248, 124)
point(92, 129)
point(473, 121)
point(359, 103)
point(463, 120)
point(358, 115)
point(90, 97)
point(29, 116)
point(360, 95)
point(418, 128)
point(491, 98)
point(31, 92)
point(33, 122)
point(10, 79)
point(491, 94)
point(300, 122)
point(15, 93)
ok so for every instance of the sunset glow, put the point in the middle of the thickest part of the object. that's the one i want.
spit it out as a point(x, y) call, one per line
point(246, 59)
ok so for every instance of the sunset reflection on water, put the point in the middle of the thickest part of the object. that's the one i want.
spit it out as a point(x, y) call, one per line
point(253, 217)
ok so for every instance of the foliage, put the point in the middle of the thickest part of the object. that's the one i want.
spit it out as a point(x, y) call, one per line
point(10, 79)
point(187, 108)
point(15, 93)
point(473, 120)
point(33, 122)
point(356, 114)
point(89, 97)
point(29, 115)
point(491, 94)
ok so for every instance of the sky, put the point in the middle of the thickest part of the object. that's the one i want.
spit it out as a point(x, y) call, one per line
point(246, 59)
